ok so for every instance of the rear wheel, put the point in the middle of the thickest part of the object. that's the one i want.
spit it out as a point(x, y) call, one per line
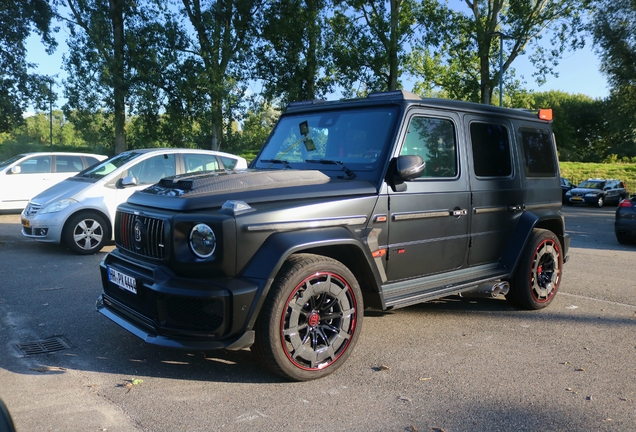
point(623, 239)
point(311, 319)
point(86, 233)
point(538, 275)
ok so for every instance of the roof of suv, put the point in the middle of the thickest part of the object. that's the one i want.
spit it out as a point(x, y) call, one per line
point(406, 97)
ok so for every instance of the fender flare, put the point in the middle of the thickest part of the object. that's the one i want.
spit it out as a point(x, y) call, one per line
point(267, 261)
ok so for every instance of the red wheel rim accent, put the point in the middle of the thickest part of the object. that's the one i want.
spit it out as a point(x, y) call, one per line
point(318, 321)
point(545, 271)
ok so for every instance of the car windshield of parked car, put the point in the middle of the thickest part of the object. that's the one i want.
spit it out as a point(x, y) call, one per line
point(8, 162)
point(357, 139)
point(591, 185)
point(109, 165)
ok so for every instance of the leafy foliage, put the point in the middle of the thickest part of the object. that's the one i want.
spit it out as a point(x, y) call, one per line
point(18, 86)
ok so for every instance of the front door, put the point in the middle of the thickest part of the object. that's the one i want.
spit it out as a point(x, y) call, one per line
point(429, 221)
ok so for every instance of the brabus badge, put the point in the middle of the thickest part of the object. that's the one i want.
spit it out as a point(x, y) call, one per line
point(139, 234)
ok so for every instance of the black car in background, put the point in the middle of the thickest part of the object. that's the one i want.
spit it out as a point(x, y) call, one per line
point(566, 185)
point(597, 192)
point(625, 222)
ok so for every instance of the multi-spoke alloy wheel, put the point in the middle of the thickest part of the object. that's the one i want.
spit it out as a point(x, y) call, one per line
point(538, 275)
point(86, 233)
point(311, 319)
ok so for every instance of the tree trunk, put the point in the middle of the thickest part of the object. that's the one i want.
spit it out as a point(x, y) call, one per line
point(119, 91)
point(393, 44)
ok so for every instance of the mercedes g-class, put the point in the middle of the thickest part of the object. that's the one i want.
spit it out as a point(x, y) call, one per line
point(379, 202)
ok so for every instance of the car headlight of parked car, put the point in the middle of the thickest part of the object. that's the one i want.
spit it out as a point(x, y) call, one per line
point(58, 206)
point(202, 240)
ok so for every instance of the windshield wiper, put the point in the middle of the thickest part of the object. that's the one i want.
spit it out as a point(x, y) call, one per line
point(276, 161)
point(347, 171)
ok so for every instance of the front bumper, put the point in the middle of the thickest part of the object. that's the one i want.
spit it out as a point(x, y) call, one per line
point(44, 229)
point(176, 312)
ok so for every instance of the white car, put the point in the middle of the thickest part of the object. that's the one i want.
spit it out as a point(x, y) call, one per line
point(24, 176)
point(80, 211)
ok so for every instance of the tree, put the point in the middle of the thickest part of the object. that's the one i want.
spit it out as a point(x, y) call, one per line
point(613, 28)
point(460, 60)
point(96, 64)
point(369, 40)
point(292, 52)
point(18, 87)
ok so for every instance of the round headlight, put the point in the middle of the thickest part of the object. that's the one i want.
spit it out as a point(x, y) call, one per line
point(202, 240)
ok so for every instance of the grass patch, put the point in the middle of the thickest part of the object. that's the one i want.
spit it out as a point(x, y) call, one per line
point(576, 172)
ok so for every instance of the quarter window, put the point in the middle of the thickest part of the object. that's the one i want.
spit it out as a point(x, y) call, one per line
point(434, 140)
point(491, 150)
point(538, 154)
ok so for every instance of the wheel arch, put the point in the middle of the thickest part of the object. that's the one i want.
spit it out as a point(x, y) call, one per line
point(85, 210)
point(528, 222)
point(338, 243)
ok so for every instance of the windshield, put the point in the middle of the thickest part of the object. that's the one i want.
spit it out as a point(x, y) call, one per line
point(591, 185)
point(330, 141)
point(8, 162)
point(109, 165)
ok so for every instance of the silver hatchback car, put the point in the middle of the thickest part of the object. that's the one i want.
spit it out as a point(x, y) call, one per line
point(80, 210)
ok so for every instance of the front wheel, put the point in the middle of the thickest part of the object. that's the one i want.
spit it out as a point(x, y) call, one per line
point(538, 275)
point(86, 233)
point(311, 319)
point(600, 202)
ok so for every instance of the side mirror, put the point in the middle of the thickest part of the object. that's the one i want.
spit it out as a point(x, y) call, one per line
point(127, 182)
point(17, 169)
point(404, 168)
point(409, 167)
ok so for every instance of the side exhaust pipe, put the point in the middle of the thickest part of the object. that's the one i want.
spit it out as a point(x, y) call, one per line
point(495, 290)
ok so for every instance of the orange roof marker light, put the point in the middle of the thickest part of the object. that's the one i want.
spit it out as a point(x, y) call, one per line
point(545, 114)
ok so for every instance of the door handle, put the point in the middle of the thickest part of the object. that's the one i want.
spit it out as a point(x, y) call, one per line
point(460, 212)
point(516, 207)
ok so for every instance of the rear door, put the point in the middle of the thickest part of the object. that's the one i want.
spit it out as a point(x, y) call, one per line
point(497, 199)
point(428, 231)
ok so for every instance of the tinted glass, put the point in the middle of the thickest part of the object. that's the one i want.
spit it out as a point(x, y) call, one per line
point(491, 150)
point(109, 165)
point(538, 152)
point(326, 140)
point(434, 140)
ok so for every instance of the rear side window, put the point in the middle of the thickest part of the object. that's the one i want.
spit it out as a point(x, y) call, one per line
point(538, 152)
point(68, 163)
point(491, 150)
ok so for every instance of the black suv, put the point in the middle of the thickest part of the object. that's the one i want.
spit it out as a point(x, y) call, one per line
point(381, 202)
point(597, 192)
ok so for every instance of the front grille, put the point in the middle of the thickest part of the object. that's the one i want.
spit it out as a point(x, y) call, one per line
point(196, 314)
point(32, 208)
point(140, 234)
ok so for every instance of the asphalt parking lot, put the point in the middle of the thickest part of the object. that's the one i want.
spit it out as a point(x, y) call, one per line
point(457, 364)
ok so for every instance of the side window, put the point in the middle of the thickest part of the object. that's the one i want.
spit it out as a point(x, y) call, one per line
point(68, 163)
point(200, 162)
point(152, 170)
point(229, 163)
point(90, 160)
point(491, 150)
point(36, 165)
point(538, 153)
point(434, 140)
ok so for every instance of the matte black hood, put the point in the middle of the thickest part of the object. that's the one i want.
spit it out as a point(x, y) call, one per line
point(212, 189)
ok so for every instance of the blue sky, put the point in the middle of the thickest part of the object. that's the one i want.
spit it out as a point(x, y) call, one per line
point(578, 71)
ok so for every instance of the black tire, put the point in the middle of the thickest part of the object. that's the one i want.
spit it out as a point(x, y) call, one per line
point(86, 233)
point(599, 202)
point(538, 275)
point(623, 239)
point(311, 318)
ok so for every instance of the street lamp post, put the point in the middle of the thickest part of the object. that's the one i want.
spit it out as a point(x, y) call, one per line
point(501, 36)
point(52, 80)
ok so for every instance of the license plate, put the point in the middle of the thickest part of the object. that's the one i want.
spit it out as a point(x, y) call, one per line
point(25, 223)
point(577, 199)
point(122, 280)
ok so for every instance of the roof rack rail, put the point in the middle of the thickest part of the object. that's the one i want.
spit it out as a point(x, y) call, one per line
point(403, 93)
point(306, 103)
